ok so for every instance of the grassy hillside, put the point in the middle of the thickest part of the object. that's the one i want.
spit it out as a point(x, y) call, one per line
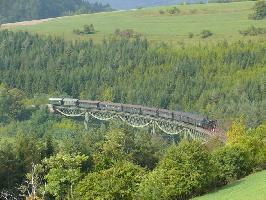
point(252, 187)
point(224, 20)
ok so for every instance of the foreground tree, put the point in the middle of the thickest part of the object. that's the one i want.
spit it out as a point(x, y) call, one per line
point(64, 171)
point(116, 148)
point(119, 182)
point(11, 106)
point(232, 162)
point(184, 172)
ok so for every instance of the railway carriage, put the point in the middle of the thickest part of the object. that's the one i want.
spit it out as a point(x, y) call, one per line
point(70, 102)
point(131, 109)
point(88, 104)
point(110, 106)
point(153, 112)
point(165, 114)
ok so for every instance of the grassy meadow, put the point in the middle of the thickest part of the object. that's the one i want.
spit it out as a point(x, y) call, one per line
point(223, 20)
point(253, 187)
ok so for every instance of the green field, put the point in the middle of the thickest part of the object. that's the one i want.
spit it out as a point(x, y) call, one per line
point(252, 187)
point(224, 20)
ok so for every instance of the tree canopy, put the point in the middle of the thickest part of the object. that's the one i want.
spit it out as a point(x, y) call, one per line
point(21, 10)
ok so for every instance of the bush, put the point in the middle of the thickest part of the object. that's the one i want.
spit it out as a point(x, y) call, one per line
point(77, 31)
point(193, 11)
point(119, 182)
point(259, 10)
point(161, 12)
point(253, 31)
point(232, 163)
point(253, 141)
point(190, 35)
point(87, 29)
point(206, 33)
point(184, 172)
point(173, 11)
point(128, 33)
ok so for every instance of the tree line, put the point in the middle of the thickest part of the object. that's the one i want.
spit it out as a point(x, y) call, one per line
point(21, 10)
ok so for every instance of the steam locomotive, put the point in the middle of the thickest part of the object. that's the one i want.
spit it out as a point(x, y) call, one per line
point(187, 118)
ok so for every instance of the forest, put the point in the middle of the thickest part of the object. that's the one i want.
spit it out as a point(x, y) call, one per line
point(22, 10)
point(47, 156)
point(223, 80)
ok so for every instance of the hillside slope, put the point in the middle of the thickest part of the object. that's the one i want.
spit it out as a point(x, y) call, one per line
point(252, 187)
point(223, 20)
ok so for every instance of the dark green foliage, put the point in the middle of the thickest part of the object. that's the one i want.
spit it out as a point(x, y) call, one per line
point(259, 10)
point(221, 80)
point(148, 149)
point(173, 11)
point(64, 172)
point(119, 182)
point(161, 12)
point(9, 175)
point(205, 34)
point(226, 1)
point(190, 35)
point(184, 172)
point(77, 31)
point(11, 106)
point(87, 29)
point(20, 10)
point(127, 33)
point(232, 163)
point(253, 31)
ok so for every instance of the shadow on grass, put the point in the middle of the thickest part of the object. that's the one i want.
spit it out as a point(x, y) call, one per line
point(224, 188)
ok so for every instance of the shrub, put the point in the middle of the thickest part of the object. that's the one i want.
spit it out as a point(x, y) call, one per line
point(128, 33)
point(119, 182)
point(253, 141)
point(206, 33)
point(193, 11)
point(173, 11)
point(232, 163)
point(184, 172)
point(253, 31)
point(190, 35)
point(77, 31)
point(87, 29)
point(259, 10)
point(161, 12)
point(258, 146)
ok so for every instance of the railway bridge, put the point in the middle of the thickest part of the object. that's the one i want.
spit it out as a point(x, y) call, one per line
point(170, 122)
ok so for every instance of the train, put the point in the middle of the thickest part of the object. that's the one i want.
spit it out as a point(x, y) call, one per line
point(188, 118)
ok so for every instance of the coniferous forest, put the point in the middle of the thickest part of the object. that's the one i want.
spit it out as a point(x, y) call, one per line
point(21, 10)
point(47, 156)
point(222, 80)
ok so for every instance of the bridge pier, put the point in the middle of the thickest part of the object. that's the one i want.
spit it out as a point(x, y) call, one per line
point(153, 130)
